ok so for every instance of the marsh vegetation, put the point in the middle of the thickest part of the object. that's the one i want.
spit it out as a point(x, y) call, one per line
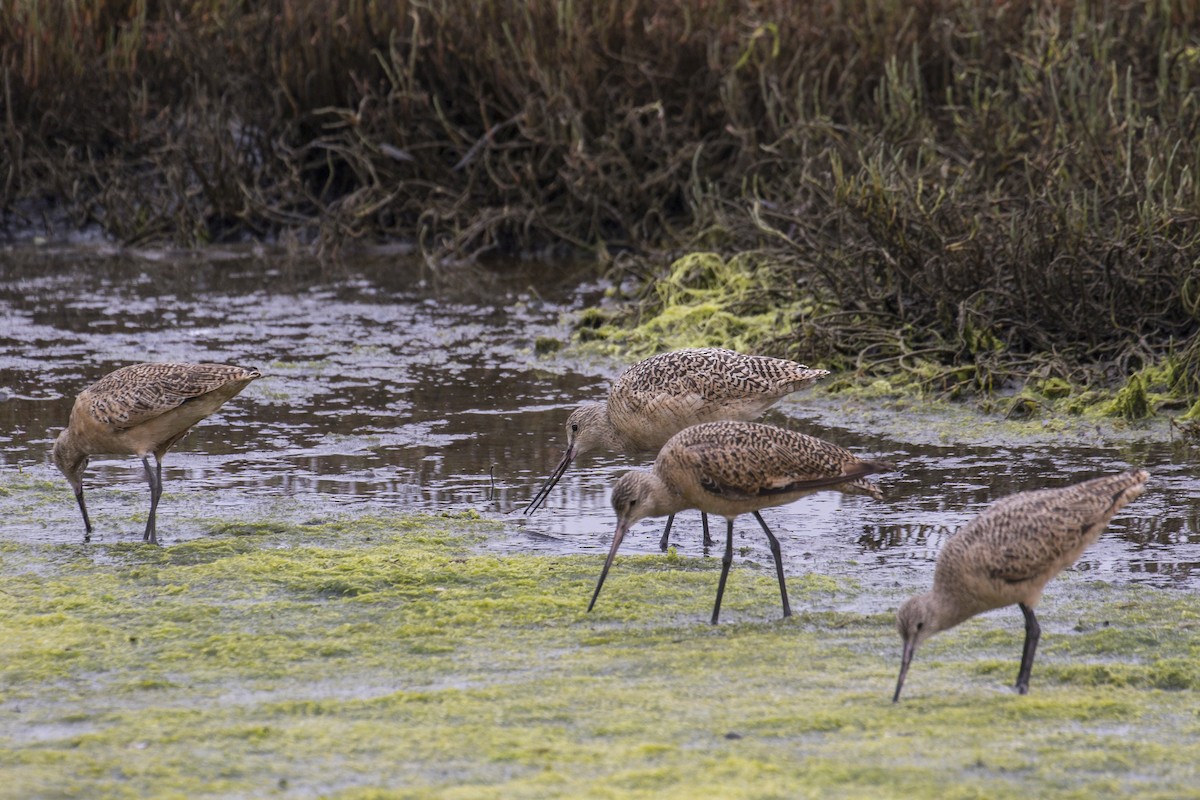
point(964, 197)
point(335, 659)
point(330, 616)
point(951, 199)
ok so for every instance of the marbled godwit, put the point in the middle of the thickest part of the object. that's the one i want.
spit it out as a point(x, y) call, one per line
point(732, 468)
point(139, 410)
point(1008, 554)
point(656, 398)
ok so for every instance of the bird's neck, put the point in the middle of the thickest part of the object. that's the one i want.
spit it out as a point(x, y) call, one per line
point(663, 501)
point(601, 434)
point(70, 457)
point(947, 609)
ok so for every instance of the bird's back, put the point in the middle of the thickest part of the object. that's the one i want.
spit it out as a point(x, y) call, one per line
point(742, 466)
point(656, 398)
point(132, 395)
point(146, 407)
point(1020, 542)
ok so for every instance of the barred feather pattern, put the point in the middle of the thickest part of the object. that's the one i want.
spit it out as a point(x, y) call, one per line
point(131, 395)
point(1022, 541)
point(656, 398)
point(748, 460)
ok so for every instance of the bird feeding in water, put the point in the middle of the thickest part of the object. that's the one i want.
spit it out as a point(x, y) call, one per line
point(1007, 555)
point(140, 410)
point(656, 398)
point(734, 468)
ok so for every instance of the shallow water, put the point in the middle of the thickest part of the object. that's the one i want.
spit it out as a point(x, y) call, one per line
point(391, 384)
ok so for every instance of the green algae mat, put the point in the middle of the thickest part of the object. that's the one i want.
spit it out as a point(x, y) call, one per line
point(386, 657)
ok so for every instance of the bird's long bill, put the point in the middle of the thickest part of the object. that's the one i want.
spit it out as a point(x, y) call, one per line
point(612, 552)
point(539, 498)
point(910, 647)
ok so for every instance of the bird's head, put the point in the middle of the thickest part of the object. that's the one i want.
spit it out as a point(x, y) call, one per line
point(916, 621)
point(588, 429)
point(640, 494)
point(70, 458)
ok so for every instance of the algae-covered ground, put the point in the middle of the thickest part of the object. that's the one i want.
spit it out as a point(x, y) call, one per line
point(385, 656)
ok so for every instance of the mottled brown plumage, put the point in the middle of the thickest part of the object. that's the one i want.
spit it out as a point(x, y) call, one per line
point(1008, 554)
point(660, 396)
point(733, 468)
point(139, 410)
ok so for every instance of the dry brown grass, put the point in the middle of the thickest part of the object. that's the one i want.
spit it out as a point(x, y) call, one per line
point(1006, 184)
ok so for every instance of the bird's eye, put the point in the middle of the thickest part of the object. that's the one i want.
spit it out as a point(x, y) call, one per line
point(574, 427)
point(920, 625)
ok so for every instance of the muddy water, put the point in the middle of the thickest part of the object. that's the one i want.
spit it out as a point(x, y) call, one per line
point(390, 384)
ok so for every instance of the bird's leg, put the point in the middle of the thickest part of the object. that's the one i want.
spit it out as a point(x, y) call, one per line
point(157, 497)
point(1032, 632)
point(662, 543)
point(708, 540)
point(154, 478)
point(726, 560)
point(87, 523)
point(775, 551)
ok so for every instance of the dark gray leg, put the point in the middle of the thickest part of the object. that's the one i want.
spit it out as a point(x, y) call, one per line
point(708, 540)
point(87, 523)
point(154, 477)
point(726, 560)
point(775, 551)
point(1032, 632)
point(662, 543)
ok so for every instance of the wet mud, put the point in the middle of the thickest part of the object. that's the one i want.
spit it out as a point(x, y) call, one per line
point(393, 385)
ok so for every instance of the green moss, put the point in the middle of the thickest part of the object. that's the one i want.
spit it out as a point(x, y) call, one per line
point(384, 657)
point(1054, 388)
point(706, 300)
point(1192, 413)
point(545, 345)
point(592, 318)
point(1168, 674)
point(1131, 401)
point(1023, 407)
point(1153, 387)
point(1160, 377)
point(1084, 403)
point(247, 528)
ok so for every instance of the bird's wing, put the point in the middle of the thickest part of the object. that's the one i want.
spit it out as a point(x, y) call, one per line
point(1030, 533)
point(758, 468)
point(691, 377)
point(133, 395)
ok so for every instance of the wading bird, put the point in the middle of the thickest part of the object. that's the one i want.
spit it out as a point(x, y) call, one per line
point(660, 396)
point(140, 410)
point(733, 468)
point(1007, 555)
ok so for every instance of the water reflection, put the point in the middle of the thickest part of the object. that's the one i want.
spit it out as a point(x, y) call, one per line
point(390, 384)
